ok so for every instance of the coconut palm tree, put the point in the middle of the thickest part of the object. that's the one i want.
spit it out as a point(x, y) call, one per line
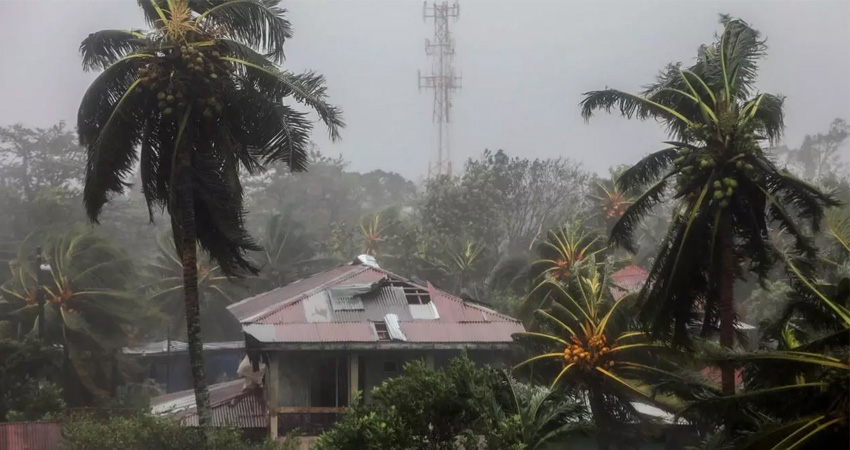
point(808, 368)
point(728, 192)
point(192, 101)
point(89, 306)
point(588, 341)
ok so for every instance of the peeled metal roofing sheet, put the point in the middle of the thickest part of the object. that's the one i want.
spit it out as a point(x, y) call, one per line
point(259, 303)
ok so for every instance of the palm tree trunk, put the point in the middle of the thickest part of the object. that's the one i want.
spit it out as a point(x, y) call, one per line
point(188, 245)
point(726, 302)
point(597, 408)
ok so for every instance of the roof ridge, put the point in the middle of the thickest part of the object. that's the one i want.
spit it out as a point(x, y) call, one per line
point(303, 295)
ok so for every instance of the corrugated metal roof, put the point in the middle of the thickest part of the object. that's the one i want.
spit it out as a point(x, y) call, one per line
point(436, 332)
point(313, 332)
point(231, 406)
point(160, 347)
point(259, 303)
point(30, 435)
point(628, 280)
point(307, 314)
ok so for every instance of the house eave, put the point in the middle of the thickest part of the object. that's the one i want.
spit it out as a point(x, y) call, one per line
point(383, 346)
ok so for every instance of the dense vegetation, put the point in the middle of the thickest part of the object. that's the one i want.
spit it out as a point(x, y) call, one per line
point(731, 224)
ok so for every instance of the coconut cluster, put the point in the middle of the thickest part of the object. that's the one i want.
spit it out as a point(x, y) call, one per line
point(591, 355)
point(187, 75)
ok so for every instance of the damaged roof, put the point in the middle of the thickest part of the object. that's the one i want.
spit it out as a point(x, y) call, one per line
point(363, 303)
point(231, 405)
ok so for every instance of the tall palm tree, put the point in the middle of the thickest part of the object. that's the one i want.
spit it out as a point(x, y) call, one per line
point(587, 341)
point(193, 100)
point(727, 191)
point(808, 369)
point(89, 306)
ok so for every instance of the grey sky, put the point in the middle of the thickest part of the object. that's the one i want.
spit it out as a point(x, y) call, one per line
point(524, 66)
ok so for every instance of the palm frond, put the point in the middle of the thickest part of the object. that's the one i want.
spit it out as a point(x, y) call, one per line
point(103, 48)
point(647, 170)
point(256, 23)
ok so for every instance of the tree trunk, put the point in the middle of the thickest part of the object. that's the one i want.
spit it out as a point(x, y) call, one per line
point(188, 245)
point(597, 408)
point(726, 302)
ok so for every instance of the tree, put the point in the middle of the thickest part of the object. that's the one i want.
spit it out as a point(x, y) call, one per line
point(807, 367)
point(727, 190)
point(192, 101)
point(820, 155)
point(89, 307)
point(458, 407)
point(25, 390)
point(288, 254)
point(587, 341)
point(38, 158)
point(216, 292)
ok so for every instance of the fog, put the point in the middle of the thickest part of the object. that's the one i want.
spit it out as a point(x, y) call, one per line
point(524, 64)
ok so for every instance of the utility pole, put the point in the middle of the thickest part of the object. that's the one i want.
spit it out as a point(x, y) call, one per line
point(441, 79)
point(39, 292)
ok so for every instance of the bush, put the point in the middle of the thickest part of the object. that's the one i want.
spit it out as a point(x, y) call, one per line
point(145, 432)
point(460, 408)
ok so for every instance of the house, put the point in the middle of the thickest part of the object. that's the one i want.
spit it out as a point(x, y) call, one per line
point(167, 362)
point(346, 330)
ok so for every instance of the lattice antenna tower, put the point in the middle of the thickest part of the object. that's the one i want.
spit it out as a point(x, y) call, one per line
point(442, 79)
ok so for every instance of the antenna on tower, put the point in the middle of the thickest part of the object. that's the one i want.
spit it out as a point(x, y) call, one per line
point(441, 79)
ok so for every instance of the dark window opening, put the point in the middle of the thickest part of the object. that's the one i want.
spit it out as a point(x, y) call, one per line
point(383, 333)
point(329, 382)
point(391, 367)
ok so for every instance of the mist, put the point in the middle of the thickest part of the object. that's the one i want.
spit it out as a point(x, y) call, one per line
point(524, 67)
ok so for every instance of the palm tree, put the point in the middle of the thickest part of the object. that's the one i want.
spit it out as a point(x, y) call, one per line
point(727, 191)
point(216, 292)
point(611, 201)
point(591, 344)
point(531, 415)
point(89, 307)
point(373, 234)
point(288, 253)
point(808, 369)
point(193, 100)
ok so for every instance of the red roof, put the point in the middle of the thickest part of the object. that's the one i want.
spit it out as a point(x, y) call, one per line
point(30, 435)
point(628, 280)
point(713, 374)
point(303, 312)
point(231, 406)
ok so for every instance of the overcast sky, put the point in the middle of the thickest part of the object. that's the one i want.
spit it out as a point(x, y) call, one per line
point(524, 66)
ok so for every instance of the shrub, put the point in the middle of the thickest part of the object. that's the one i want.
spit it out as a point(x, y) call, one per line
point(145, 432)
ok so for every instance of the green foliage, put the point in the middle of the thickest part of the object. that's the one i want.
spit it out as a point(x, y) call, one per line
point(461, 407)
point(203, 85)
point(145, 432)
point(165, 290)
point(25, 390)
point(725, 185)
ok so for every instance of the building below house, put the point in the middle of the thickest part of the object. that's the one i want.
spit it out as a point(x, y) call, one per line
point(167, 362)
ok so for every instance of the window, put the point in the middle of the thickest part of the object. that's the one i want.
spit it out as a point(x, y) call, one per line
point(329, 381)
point(381, 329)
point(413, 294)
point(391, 367)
